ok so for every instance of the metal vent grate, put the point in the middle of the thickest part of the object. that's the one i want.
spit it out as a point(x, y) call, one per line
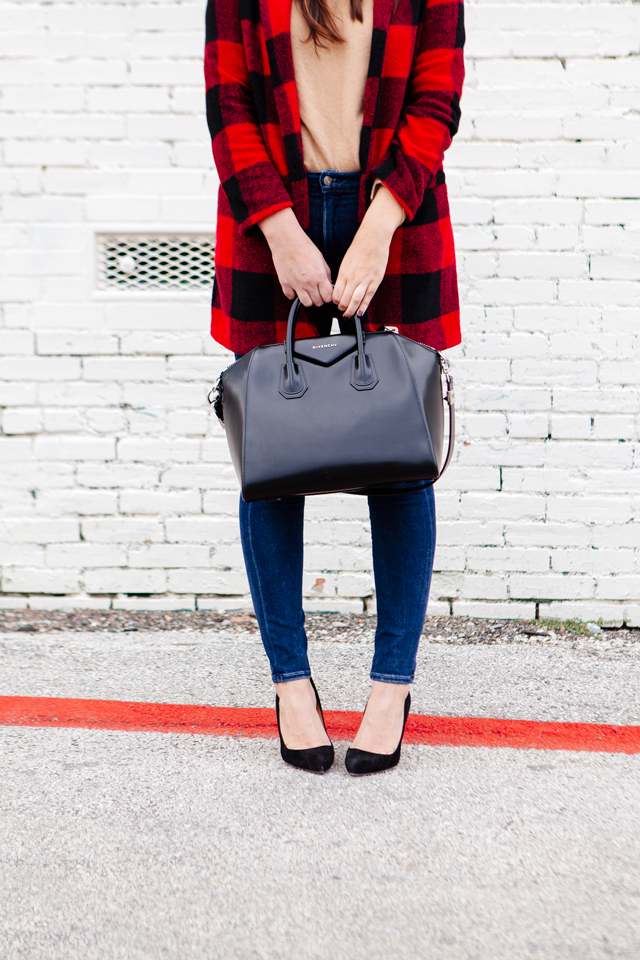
point(143, 262)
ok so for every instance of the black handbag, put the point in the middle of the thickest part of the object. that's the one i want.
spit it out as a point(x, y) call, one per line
point(345, 413)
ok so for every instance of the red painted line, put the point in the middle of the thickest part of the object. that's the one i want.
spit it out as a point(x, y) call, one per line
point(341, 724)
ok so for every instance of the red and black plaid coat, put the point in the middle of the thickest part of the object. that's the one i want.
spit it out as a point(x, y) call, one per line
point(411, 112)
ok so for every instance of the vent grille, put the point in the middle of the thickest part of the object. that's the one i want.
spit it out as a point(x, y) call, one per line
point(171, 262)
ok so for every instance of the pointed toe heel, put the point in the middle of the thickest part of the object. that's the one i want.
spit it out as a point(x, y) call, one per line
point(360, 763)
point(313, 759)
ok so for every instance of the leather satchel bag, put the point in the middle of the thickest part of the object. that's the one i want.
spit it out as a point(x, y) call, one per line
point(339, 413)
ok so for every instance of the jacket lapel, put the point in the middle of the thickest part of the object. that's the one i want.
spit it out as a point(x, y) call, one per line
point(383, 11)
point(276, 24)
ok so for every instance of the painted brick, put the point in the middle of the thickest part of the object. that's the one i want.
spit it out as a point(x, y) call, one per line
point(618, 587)
point(158, 449)
point(201, 529)
point(528, 425)
point(188, 423)
point(343, 533)
point(162, 344)
point(593, 510)
point(224, 502)
point(164, 502)
point(208, 581)
point(79, 394)
point(74, 448)
point(534, 560)
point(22, 555)
point(123, 530)
point(223, 604)
point(491, 587)
point(226, 555)
point(62, 420)
point(319, 584)
point(39, 580)
point(632, 614)
point(79, 501)
point(435, 608)
point(113, 474)
point(216, 450)
point(16, 342)
point(123, 580)
point(477, 506)
point(204, 476)
point(485, 610)
point(560, 534)
point(13, 602)
point(39, 368)
point(170, 555)
point(80, 555)
point(39, 531)
point(21, 420)
point(610, 614)
point(74, 343)
point(355, 585)
point(551, 587)
point(69, 602)
point(331, 605)
point(618, 535)
point(614, 428)
point(124, 368)
point(154, 603)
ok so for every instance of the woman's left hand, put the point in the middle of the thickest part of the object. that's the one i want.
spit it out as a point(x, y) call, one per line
point(362, 269)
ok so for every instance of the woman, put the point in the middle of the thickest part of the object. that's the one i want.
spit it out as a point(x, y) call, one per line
point(329, 120)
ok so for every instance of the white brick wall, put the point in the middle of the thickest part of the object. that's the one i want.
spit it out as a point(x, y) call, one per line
point(116, 487)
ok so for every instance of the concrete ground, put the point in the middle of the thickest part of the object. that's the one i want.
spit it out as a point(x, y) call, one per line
point(146, 846)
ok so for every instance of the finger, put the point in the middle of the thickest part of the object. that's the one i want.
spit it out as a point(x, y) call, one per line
point(348, 294)
point(338, 290)
point(356, 299)
point(345, 290)
point(368, 297)
point(317, 297)
point(326, 290)
point(289, 292)
point(304, 298)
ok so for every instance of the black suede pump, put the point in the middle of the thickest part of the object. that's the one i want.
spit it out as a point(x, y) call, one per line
point(359, 763)
point(313, 759)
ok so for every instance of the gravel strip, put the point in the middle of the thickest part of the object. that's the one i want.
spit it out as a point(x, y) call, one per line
point(344, 628)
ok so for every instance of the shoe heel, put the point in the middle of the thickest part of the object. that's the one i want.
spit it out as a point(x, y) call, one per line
point(360, 763)
point(313, 759)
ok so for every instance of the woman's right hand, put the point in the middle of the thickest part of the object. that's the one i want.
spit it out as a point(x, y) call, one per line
point(301, 268)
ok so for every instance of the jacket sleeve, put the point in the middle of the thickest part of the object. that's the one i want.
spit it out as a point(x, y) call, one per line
point(249, 178)
point(431, 114)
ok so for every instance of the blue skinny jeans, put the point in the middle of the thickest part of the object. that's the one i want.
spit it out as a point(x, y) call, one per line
point(403, 525)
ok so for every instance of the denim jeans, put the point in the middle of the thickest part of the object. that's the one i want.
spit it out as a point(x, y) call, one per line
point(333, 221)
point(403, 525)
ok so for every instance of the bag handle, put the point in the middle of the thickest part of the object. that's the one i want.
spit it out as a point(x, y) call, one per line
point(293, 383)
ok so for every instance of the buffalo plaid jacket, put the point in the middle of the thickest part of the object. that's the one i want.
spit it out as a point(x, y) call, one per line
point(411, 112)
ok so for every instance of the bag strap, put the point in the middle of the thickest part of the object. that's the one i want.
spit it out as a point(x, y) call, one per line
point(451, 403)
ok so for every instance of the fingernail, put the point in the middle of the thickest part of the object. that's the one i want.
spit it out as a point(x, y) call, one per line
point(361, 313)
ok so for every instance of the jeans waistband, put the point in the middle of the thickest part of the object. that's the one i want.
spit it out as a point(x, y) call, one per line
point(334, 181)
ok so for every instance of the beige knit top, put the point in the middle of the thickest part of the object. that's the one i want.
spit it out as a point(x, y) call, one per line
point(330, 83)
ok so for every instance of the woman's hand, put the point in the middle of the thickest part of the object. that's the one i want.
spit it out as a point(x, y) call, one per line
point(365, 262)
point(301, 268)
